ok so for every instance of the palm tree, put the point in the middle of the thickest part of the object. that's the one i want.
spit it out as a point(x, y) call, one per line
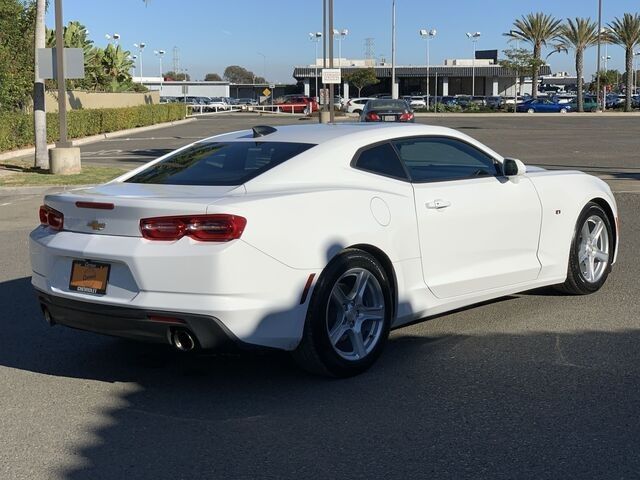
point(537, 29)
point(578, 35)
point(626, 33)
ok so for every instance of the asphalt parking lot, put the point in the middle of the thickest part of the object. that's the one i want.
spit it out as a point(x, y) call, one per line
point(536, 385)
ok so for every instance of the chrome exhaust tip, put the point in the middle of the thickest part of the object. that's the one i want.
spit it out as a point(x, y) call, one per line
point(183, 340)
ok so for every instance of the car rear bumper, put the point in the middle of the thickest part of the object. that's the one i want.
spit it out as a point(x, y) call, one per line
point(253, 296)
point(137, 324)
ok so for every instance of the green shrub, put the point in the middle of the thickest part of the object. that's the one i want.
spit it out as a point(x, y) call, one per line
point(16, 129)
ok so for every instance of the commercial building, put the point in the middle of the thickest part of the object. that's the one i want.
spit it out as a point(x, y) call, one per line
point(455, 77)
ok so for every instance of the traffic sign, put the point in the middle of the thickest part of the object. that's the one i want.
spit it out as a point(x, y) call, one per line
point(266, 92)
point(272, 86)
point(331, 75)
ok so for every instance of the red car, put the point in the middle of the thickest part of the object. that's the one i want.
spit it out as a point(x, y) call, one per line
point(297, 104)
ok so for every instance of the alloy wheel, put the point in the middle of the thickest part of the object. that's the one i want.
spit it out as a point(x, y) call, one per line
point(593, 249)
point(355, 314)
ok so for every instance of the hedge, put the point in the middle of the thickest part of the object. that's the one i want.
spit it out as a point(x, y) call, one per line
point(16, 129)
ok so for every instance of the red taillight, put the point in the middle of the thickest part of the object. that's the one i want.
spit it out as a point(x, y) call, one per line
point(406, 117)
point(373, 117)
point(206, 228)
point(51, 218)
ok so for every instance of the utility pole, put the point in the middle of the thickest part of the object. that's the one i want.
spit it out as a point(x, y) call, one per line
point(394, 92)
point(62, 94)
point(39, 113)
point(64, 158)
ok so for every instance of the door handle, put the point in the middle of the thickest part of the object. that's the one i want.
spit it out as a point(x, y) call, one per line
point(438, 204)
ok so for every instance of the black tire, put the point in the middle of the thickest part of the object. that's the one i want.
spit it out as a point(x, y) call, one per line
point(359, 112)
point(315, 353)
point(576, 282)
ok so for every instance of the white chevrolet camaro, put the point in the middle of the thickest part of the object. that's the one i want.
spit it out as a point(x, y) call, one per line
point(315, 239)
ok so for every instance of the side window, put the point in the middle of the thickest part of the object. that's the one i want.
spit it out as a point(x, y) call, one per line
point(440, 158)
point(383, 160)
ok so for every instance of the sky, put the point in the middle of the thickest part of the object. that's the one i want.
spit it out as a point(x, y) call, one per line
point(271, 37)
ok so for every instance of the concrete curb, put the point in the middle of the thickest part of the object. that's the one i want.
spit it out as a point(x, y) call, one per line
point(96, 138)
point(40, 189)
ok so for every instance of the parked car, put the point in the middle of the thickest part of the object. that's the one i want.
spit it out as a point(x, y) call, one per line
point(297, 104)
point(495, 102)
point(479, 100)
point(543, 105)
point(417, 102)
point(590, 104)
point(356, 105)
point(218, 103)
point(314, 239)
point(247, 101)
point(383, 110)
point(448, 100)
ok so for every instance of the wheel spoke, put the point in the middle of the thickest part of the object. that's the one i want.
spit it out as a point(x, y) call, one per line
point(602, 256)
point(358, 343)
point(583, 255)
point(339, 296)
point(338, 331)
point(371, 313)
point(360, 286)
point(591, 269)
point(586, 234)
point(597, 230)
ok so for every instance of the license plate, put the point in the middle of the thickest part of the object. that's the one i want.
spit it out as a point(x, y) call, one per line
point(389, 118)
point(89, 277)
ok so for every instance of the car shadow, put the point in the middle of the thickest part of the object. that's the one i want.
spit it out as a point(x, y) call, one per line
point(533, 405)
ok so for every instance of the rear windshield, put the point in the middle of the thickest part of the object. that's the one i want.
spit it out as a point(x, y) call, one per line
point(384, 104)
point(231, 163)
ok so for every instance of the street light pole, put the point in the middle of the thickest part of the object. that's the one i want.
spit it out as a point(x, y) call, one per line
point(394, 92)
point(140, 46)
point(160, 54)
point(62, 94)
point(315, 37)
point(428, 35)
point(474, 39)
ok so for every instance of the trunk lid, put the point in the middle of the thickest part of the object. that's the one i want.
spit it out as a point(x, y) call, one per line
point(132, 202)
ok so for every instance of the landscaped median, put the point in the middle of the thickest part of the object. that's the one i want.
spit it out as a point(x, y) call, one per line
point(16, 129)
point(20, 173)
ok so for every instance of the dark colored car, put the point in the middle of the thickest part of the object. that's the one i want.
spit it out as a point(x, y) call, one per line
point(448, 100)
point(385, 110)
point(495, 102)
point(543, 105)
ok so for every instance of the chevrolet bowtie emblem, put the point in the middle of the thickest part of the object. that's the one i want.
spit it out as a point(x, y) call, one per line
point(96, 225)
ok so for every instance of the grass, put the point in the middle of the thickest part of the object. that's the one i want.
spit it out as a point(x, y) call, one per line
point(21, 173)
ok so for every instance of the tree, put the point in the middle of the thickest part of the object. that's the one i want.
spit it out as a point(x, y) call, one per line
point(608, 79)
point(177, 77)
point(17, 23)
point(238, 74)
point(363, 77)
point(212, 77)
point(39, 113)
point(536, 29)
point(521, 62)
point(116, 65)
point(626, 33)
point(578, 35)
